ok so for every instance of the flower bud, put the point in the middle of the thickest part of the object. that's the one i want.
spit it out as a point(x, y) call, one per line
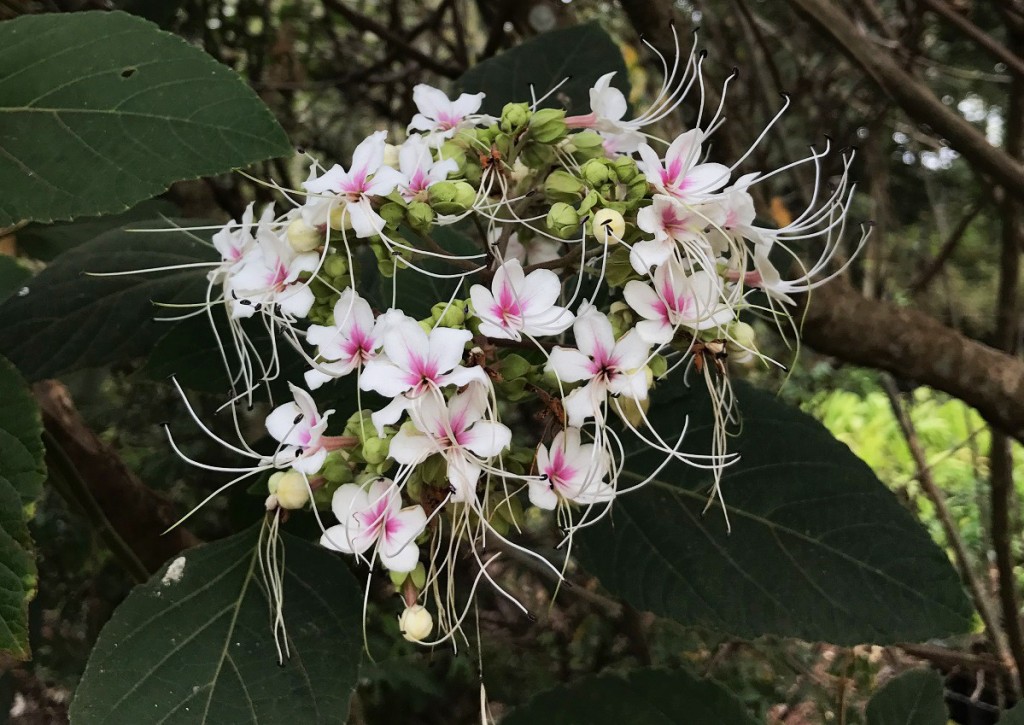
point(621, 316)
point(609, 226)
point(638, 188)
point(658, 365)
point(514, 116)
point(625, 169)
point(563, 186)
point(742, 335)
point(375, 450)
point(416, 624)
point(290, 488)
point(632, 411)
point(587, 145)
point(340, 218)
point(595, 172)
point(445, 315)
point(548, 125)
point(465, 195)
point(302, 237)
point(393, 214)
point(419, 576)
point(335, 266)
point(336, 468)
point(420, 216)
point(515, 366)
point(562, 221)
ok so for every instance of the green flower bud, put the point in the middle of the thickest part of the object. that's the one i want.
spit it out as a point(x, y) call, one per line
point(514, 116)
point(445, 315)
point(630, 409)
point(609, 226)
point(589, 202)
point(465, 195)
point(595, 172)
point(393, 213)
point(562, 221)
point(625, 169)
point(536, 156)
point(513, 390)
point(658, 365)
point(586, 145)
point(515, 366)
point(335, 266)
point(427, 325)
point(443, 192)
point(621, 316)
point(320, 289)
point(743, 335)
point(619, 269)
point(302, 237)
point(548, 125)
point(375, 450)
point(336, 468)
point(359, 425)
point(563, 186)
point(323, 496)
point(420, 216)
point(637, 188)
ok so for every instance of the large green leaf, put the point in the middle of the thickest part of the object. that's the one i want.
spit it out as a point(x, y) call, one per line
point(69, 320)
point(194, 644)
point(101, 110)
point(582, 53)
point(820, 549)
point(12, 276)
point(1013, 716)
point(913, 698)
point(21, 477)
point(641, 697)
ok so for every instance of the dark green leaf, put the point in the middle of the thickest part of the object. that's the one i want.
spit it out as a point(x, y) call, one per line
point(12, 276)
point(1013, 716)
point(46, 241)
point(913, 698)
point(102, 110)
point(582, 53)
point(820, 549)
point(641, 697)
point(21, 476)
point(195, 645)
point(69, 320)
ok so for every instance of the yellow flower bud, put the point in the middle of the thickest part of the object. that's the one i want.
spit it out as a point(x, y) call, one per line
point(290, 489)
point(302, 237)
point(416, 624)
point(609, 226)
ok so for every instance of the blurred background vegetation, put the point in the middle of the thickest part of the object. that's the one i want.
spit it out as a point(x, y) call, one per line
point(941, 273)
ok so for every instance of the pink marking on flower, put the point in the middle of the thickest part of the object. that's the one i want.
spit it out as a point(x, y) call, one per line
point(447, 121)
point(588, 120)
point(559, 472)
point(507, 308)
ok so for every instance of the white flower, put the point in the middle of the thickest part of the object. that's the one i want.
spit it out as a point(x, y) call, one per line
point(682, 175)
point(415, 363)
point(375, 517)
point(350, 342)
point(611, 367)
point(458, 432)
point(268, 274)
point(419, 170)
point(520, 304)
point(234, 241)
point(673, 223)
point(367, 178)
point(537, 251)
point(299, 427)
point(677, 299)
point(571, 471)
point(440, 116)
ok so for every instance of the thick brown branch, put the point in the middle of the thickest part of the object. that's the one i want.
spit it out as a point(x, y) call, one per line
point(912, 345)
point(912, 96)
point(137, 513)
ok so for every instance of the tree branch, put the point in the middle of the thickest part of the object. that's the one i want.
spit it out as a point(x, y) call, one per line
point(979, 36)
point(914, 97)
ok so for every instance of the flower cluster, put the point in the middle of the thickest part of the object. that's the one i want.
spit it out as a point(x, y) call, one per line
point(605, 260)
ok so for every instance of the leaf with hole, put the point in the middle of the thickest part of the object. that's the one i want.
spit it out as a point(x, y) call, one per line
point(820, 549)
point(101, 110)
point(21, 478)
point(640, 697)
point(194, 644)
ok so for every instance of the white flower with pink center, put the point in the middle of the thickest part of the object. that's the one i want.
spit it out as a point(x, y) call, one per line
point(610, 366)
point(677, 300)
point(419, 169)
point(673, 224)
point(351, 341)
point(520, 304)
point(366, 179)
point(456, 430)
point(681, 175)
point(608, 108)
point(375, 517)
point(442, 117)
point(268, 275)
point(413, 363)
point(299, 428)
point(235, 240)
point(570, 471)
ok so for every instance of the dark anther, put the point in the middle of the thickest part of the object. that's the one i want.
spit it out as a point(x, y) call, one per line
point(245, 302)
point(300, 149)
point(297, 420)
